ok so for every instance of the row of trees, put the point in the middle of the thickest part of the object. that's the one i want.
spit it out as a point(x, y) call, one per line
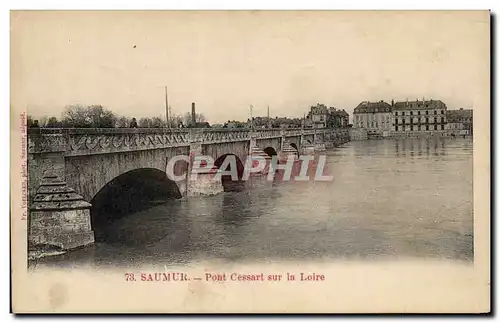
point(96, 116)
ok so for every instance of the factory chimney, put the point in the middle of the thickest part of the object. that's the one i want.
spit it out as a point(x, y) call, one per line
point(193, 115)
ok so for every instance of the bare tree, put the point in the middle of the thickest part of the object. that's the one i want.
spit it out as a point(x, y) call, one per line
point(29, 121)
point(122, 122)
point(43, 121)
point(94, 116)
point(145, 123)
point(157, 122)
point(175, 120)
point(75, 116)
point(52, 122)
point(100, 117)
point(199, 117)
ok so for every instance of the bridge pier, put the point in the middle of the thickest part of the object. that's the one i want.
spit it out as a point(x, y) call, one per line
point(59, 217)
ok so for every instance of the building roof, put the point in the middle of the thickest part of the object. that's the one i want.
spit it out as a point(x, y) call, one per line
point(340, 113)
point(459, 115)
point(372, 107)
point(319, 109)
point(419, 105)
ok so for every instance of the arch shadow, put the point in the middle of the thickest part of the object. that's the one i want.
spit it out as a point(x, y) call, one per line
point(128, 193)
point(294, 146)
point(227, 181)
point(270, 151)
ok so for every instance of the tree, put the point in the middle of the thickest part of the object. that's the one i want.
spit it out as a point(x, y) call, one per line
point(199, 117)
point(122, 122)
point(52, 122)
point(145, 123)
point(157, 122)
point(94, 116)
point(100, 117)
point(43, 121)
point(29, 121)
point(175, 120)
point(75, 116)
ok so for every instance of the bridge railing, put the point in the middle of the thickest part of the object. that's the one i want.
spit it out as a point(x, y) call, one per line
point(85, 141)
point(46, 131)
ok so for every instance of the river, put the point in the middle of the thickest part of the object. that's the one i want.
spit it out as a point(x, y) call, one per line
point(390, 199)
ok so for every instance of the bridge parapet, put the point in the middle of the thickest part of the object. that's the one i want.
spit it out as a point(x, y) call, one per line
point(75, 142)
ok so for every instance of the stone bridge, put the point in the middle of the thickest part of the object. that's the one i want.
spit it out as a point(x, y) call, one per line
point(76, 176)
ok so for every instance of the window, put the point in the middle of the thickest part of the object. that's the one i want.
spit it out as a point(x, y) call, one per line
point(442, 111)
point(419, 128)
point(403, 113)
point(442, 127)
point(396, 113)
point(427, 121)
point(411, 127)
point(418, 112)
point(404, 122)
point(435, 127)
point(435, 112)
point(435, 120)
point(426, 112)
point(442, 119)
point(427, 127)
point(396, 128)
point(396, 120)
point(411, 113)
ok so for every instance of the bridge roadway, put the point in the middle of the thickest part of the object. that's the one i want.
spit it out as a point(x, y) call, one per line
point(74, 174)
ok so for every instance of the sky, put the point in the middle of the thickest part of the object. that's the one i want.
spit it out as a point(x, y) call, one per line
point(226, 62)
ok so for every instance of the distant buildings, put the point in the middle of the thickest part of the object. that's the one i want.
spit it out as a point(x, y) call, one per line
point(375, 117)
point(277, 122)
point(317, 116)
point(320, 116)
point(409, 118)
point(459, 122)
point(419, 116)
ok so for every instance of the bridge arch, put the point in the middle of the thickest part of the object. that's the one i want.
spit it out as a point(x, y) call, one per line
point(270, 151)
point(227, 181)
point(130, 192)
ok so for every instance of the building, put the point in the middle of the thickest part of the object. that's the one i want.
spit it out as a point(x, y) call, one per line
point(419, 116)
point(459, 122)
point(317, 116)
point(337, 118)
point(320, 116)
point(373, 117)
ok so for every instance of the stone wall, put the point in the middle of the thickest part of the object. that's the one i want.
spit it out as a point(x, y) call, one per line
point(359, 134)
point(89, 174)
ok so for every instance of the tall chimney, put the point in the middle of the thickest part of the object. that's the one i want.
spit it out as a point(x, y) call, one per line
point(193, 115)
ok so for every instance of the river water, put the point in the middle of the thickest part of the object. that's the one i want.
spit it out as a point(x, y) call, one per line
point(390, 199)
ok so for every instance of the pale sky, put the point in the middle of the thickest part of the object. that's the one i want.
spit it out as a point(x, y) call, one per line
point(227, 61)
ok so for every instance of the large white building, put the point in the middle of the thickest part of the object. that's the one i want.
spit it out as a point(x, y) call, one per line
point(373, 117)
point(419, 116)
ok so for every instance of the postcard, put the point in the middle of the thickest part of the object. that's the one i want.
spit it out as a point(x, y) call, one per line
point(250, 161)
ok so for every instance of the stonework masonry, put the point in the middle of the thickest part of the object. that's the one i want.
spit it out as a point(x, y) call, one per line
point(67, 168)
